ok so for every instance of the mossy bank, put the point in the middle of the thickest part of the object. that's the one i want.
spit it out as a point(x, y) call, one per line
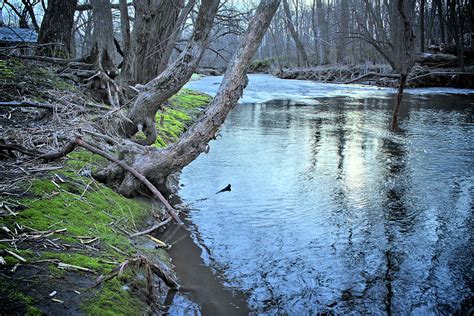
point(63, 233)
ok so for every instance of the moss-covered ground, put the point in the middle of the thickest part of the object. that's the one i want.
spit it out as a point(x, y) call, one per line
point(64, 216)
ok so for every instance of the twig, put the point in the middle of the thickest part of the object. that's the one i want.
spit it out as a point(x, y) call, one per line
point(66, 266)
point(15, 255)
point(152, 228)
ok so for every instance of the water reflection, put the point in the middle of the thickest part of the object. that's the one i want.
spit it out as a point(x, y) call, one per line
point(330, 212)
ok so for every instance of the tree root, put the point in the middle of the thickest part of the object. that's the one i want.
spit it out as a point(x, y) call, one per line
point(71, 145)
point(151, 268)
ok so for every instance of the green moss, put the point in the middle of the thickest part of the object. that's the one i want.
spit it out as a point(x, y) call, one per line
point(18, 300)
point(114, 299)
point(182, 109)
point(29, 80)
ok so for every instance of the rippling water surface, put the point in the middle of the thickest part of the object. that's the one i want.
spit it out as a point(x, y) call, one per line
point(329, 211)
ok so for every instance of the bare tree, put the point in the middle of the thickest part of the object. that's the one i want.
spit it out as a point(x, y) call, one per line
point(142, 114)
point(56, 28)
point(294, 34)
point(157, 164)
point(406, 57)
point(155, 22)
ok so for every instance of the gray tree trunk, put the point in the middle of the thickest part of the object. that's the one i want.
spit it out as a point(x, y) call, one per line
point(294, 34)
point(141, 115)
point(56, 28)
point(103, 47)
point(157, 164)
point(125, 29)
point(407, 57)
point(155, 21)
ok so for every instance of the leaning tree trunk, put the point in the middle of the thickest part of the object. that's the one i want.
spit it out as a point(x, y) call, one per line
point(142, 114)
point(294, 34)
point(56, 28)
point(157, 164)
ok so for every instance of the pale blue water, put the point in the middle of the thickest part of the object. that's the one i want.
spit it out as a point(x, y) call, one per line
point(331, 212)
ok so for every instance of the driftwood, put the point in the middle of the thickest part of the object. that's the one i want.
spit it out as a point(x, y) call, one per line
point(438, 59)
point(441, 73)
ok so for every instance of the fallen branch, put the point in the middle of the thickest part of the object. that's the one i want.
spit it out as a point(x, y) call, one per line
point(441, 73)
point(376, 74)
point(14, 147)
point(24, 104)
point(51, 60)
point(15, 255)
point(152, 228)
point(70, 146)
point(66, 266)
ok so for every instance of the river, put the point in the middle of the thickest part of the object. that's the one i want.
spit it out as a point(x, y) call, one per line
point(329, 210)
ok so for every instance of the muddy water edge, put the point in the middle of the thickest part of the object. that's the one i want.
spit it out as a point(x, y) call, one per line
point(200, 283)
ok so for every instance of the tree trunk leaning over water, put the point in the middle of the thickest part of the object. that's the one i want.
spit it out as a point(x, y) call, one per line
point(158, 164)
point(142, 114)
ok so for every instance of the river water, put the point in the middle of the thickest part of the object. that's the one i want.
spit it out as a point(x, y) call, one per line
point(331, 212)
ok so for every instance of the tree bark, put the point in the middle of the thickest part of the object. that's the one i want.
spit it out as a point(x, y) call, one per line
point(406, 60)
point(155, 22)
point(125, 29)
point(103, 47)
point(422, 26)
point(294, 34)
point(56, 28)
point(142, 113)
point(157, 164)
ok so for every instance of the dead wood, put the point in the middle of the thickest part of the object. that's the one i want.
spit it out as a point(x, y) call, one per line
point(136, 174)
point(159, 269)
point(24, 104)
point(52, 60)
point(441, 73)
point(152, 228)
point(71, 145)
point(374, 74)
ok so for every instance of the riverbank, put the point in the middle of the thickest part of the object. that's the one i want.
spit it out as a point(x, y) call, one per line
point(66, 239)
point(382, 76)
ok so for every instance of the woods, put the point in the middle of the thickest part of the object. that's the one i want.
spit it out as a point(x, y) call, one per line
point(99, 119)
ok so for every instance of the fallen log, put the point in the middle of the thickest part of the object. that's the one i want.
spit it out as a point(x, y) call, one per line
point(373, 74)
point(438, 59)
point(441, 73)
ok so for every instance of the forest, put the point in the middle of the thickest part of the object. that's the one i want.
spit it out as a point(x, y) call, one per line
point(237, 157)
